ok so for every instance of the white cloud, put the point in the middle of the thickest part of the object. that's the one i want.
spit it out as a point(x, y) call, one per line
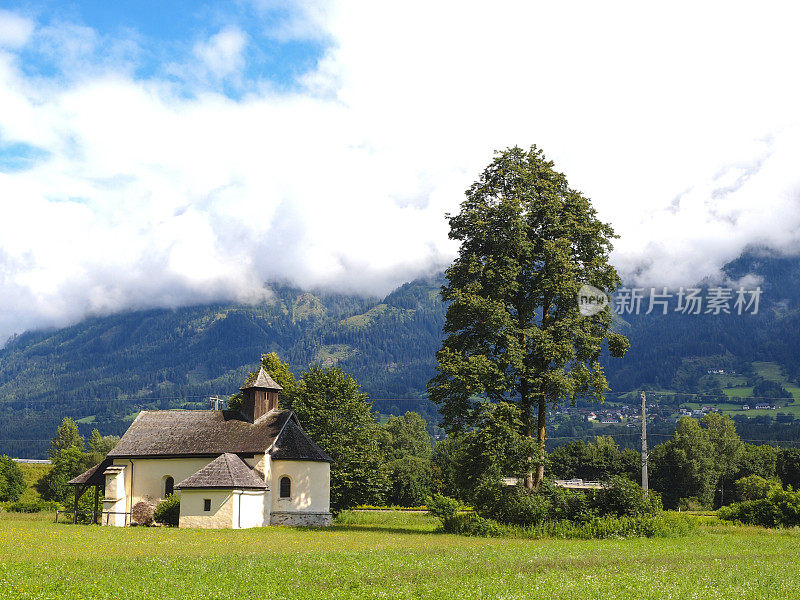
point(222, 53)
point(680, 123)
point(15, 30)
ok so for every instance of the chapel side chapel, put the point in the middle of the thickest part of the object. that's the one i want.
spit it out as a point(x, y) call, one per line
point(250, 467)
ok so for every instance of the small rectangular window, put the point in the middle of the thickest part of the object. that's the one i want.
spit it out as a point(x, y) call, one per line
point(207, 504)
point(286, 487)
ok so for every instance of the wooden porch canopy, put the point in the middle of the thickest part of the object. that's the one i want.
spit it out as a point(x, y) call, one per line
point(91, 477)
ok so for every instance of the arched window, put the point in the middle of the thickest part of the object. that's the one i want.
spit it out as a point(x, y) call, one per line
point(169, 486)
point(286, 487)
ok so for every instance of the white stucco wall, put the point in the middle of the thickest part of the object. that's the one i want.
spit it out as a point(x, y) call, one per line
point(311, 485)
point(310, 490)
point(114, 498)
point(251, 509)
point(260, 464)
point(149, 474)
point(223, 513)
point(229, 509)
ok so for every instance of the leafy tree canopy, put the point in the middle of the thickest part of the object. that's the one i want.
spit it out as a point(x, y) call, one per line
point(12, 482)
point(406, 436)
point(685, 467)
point(406, 446)
point(597, 460)
point(514, 331)
point(69, 459)
point(67, 436)
point(338, 416)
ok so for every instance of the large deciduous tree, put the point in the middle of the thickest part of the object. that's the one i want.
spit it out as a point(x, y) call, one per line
point(514, 331)
point(338, 416)
point(685, 467)
point(406, 447)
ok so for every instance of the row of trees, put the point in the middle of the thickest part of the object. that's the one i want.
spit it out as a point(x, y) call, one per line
point(705, 458)
point(703, 464)
point(396, 463)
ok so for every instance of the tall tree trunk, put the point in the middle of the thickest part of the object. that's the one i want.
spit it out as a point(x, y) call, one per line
point(547, 303)
point(528, 432)
point(540, 431)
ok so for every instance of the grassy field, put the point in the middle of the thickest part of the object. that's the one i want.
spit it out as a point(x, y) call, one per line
point(385, 555)
point(772, 371)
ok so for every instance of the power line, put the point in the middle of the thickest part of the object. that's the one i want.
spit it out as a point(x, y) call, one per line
point(205, 397)
point(713, 396)
point(133, 401)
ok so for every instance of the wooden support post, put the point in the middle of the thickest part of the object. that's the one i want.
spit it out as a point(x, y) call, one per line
point(75, 511)
point(96, 502)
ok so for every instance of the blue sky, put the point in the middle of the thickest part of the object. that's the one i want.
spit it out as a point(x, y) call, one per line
point(160, 154)
point(152, 35)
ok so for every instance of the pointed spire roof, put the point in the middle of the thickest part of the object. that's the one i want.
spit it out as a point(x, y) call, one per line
point(262, 381)
point(227, 471)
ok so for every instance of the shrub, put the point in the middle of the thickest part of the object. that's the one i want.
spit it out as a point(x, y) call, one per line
point(621, 508)
point(472, 524)
point(692, 504)
point(571, 505)
point(781, 508)
point(514, 506)
point(410, 480)
point(168, 511)
point(142, 513)
point(441, 506)
point(34, 507)
point(661, 525)
point(622, 497)
point(754, 487)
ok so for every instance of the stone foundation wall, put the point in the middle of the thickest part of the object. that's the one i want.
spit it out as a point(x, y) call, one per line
point(301, 519)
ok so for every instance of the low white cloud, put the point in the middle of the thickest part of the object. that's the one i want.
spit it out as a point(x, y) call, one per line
point(679, 122)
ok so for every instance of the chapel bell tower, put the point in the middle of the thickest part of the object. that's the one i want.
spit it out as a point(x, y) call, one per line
point(259, 397)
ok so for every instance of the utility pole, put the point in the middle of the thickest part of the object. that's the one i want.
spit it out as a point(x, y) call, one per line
point(644, 444)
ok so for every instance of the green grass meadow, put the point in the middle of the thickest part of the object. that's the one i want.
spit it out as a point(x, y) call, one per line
point(385, 555)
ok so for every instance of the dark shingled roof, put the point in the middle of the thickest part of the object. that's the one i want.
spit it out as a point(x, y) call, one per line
point(161, 433)
point(263, 381)
point(294, 444)
point(228, 472)
point(93, 476)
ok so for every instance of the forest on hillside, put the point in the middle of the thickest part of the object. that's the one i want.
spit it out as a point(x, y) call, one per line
point(103, 370)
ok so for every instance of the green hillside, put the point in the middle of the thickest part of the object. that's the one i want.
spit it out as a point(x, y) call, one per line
point(103, 370)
